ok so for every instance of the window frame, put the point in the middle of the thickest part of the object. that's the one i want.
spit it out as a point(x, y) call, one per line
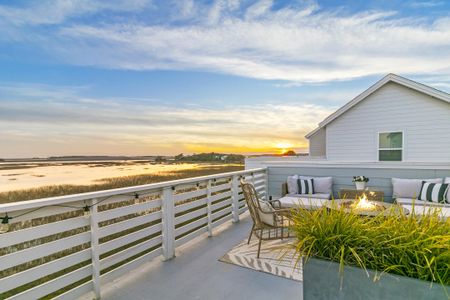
point(401, 149)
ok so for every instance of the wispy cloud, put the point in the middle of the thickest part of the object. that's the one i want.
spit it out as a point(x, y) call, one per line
point(75, 124)
point(426, 4)
point(299, 43)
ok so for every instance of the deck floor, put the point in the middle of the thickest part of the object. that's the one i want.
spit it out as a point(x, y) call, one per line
point(196, 273)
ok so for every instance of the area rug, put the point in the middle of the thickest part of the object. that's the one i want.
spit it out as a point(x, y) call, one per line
point(274, 258)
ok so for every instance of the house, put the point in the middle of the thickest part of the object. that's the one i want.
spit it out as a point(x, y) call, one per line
point(396, 119)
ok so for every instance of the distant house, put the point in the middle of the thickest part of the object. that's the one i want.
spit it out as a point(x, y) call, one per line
point(396, 119)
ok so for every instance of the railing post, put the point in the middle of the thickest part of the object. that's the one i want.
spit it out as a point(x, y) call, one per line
point(266, 184)
point(168, 223)
point(95, 254)
point(235, 198)
point(208, 206)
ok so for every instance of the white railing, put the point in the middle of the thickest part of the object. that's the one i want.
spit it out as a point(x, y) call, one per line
point(65, 247)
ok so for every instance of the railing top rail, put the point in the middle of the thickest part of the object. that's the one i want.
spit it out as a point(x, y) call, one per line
point(30, 204)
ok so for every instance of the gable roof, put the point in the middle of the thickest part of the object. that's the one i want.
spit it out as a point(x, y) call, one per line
point(422, 88)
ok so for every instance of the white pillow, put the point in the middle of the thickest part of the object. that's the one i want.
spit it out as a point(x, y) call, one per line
point(292, 184)
point(447, 180)
point(266, 218)
point(409, 188)
point(322, 185)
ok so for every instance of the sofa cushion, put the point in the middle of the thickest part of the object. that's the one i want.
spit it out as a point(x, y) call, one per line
point(304, 202)
point(322, 185)
point(409, 201)
point(311, 196)
point(434, 192)
point(292, 184)
point(409, 188)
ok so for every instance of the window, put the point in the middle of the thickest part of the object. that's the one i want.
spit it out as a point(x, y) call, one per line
point(390, 146)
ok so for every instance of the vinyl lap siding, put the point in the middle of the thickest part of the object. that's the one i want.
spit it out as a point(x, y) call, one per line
point(317, 144)
point(424, 120)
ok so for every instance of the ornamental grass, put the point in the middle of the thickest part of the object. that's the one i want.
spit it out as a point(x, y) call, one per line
point(408, 245)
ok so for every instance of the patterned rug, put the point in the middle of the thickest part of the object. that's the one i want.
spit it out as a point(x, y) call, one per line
point(274, 259)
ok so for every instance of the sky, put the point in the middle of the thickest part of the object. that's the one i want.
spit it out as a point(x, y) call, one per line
point(148, 77)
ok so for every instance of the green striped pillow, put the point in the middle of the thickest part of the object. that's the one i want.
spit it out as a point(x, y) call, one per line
point(305, 186)
point(434, 192)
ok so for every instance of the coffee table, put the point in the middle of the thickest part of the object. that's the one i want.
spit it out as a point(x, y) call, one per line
point(378, 207)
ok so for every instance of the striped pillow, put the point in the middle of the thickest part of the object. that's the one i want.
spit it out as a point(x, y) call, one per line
point(305, 186)
point(434, 192)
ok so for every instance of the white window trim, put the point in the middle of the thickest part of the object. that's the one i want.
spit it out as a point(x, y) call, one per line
point(402, 148)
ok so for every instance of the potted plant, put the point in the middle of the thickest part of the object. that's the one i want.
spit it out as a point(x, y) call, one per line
point(360, 182)
point(395, 256)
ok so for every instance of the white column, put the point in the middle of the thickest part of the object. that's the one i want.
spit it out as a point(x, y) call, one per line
point(168, 223)
point(235, 198)
point(208, 206)
point(95, 253)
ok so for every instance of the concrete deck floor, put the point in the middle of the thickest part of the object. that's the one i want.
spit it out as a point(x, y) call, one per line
point(196, 273)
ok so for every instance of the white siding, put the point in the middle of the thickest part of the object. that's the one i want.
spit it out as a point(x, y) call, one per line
point(317, 143)
point(425, 122)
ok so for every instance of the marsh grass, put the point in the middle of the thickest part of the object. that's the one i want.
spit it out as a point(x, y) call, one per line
point(408, 245)
point(111, 183)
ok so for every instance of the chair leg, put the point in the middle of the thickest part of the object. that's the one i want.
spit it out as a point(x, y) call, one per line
point(250, 236)
point(259, 244)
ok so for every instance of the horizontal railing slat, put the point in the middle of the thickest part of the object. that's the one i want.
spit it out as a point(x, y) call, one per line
point(221, 187)
point(128, 224)
point(29, 254)
point(128, 210)
point(221, 213)
point(191, 215)
point(221, 221)
point(184, 207)
point(29, 275)
point(221, 204)
point(129, 252)
point(220, 196)
point(181, 230)
point(20, 236)
point(129, 238)
point(190, 236)
point(188, 195)
point(129, 266)
point(55, 284)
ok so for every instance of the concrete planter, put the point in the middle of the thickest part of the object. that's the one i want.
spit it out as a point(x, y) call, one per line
point(321, 280)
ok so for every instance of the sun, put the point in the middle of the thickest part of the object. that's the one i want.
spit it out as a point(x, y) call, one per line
point(283, 147)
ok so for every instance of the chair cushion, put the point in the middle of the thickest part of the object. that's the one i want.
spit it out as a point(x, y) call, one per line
point(322, 185)
point(266, 213)
point(305, 202)
point(292, 184)
point(409, 188)
point(434, 192)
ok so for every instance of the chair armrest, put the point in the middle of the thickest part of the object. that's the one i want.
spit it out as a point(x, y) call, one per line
point(275, 203)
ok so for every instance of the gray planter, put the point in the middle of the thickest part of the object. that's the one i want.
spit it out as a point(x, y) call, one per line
point(321, 280)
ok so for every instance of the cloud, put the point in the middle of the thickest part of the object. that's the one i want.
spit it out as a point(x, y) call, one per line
point(76, 124)
point(426, 4)
point(299, 42)
point(57, 11)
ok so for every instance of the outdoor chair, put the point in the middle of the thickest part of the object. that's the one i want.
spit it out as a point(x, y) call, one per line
point(269, 222)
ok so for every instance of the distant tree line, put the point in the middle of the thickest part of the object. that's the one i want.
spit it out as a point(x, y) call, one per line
point(211, 157)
